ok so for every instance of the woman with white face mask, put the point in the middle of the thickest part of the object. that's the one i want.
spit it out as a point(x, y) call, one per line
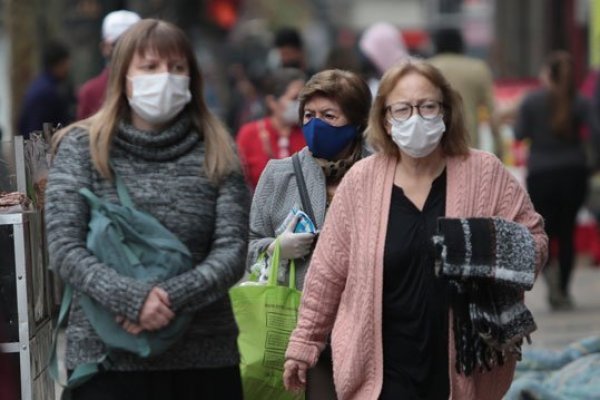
point(177, 162)
point(278, 135)
point(378, 284)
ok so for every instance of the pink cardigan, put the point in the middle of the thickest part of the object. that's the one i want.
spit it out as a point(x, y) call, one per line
point(343, 287)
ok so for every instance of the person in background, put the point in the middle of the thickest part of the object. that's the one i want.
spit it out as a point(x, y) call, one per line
point(381, 45)
point(373, 282)
point(246, 54)
point(47, 98)
point(471, 78)
point(334, 107)
point(344, 54)
point(277, 135)
point(179, 166)
point(289, 48)
point(557, 171)
point(92, 93)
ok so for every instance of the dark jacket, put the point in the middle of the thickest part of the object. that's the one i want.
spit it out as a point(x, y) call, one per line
point(44, 101)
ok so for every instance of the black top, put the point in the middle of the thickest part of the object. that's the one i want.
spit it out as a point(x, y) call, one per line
point(415, 302)
point(549, 152)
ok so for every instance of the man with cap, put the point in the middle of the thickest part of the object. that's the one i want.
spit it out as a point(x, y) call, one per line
point(91, 94)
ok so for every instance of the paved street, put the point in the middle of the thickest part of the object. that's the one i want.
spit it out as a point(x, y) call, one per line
point(557, 329)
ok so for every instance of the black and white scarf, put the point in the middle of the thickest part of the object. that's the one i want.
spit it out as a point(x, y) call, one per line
point(489, 263)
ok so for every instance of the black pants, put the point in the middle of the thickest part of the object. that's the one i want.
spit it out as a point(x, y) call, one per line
point(558, 196)
point(319, 381)
point(198, 384)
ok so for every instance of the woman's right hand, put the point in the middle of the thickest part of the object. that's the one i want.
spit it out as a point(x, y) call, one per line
point(294, 375)
point(293, 245)
point(156, 313)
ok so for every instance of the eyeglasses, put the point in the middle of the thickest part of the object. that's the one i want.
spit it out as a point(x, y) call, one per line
point(403, 111)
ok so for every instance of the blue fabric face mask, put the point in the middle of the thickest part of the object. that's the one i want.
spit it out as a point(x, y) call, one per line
point(326, 141)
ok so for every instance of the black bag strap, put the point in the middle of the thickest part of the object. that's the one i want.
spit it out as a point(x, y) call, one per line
point(306, 205)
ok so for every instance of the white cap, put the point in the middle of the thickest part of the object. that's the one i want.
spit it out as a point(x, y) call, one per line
point(116, 23)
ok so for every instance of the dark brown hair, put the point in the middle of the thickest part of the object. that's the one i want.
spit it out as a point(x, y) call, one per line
point(559, 67)
point(455, 140)
point(345, 88)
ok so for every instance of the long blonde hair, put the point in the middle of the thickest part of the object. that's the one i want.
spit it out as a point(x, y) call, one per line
point(166, 39)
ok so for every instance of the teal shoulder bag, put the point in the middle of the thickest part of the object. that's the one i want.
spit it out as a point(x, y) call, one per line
point(136, 245)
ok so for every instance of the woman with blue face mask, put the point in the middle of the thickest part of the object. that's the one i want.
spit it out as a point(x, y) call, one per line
point(177, 162)
point(334, 108)
point(419, 271)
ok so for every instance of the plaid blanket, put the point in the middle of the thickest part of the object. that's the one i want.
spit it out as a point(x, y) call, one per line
point(571, 373)
point(488, 263)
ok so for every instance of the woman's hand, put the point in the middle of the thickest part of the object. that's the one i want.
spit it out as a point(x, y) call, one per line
point(294, 375)
point(130, 327)
point(293, 245)
point(156, 313)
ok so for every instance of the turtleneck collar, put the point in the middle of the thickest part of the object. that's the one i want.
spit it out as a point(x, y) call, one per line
point(167, 144)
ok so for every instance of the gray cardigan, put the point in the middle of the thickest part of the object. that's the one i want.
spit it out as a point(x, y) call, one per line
point(275, 195)
point(164, 176)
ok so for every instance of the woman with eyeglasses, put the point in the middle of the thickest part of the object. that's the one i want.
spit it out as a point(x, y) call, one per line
point(374, 280)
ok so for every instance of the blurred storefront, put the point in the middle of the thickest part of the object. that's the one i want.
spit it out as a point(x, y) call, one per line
point(512, 35)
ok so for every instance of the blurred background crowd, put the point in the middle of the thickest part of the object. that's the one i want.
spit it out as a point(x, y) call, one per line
point(238, 42)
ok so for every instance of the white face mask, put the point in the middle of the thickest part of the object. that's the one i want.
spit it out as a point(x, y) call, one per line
point(290, 114)
point(418, 137)
point(158, 98)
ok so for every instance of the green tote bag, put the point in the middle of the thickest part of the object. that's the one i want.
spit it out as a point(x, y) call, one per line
point(266, 314)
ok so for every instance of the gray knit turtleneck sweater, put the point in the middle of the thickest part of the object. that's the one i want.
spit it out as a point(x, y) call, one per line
point(165, 177)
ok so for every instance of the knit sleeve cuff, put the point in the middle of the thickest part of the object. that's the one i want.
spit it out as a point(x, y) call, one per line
point(122, 295)
point(299, 351)
point(177, 293)
point(139, 294)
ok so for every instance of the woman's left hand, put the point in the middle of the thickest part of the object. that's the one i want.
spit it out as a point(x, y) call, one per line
point(294, 375)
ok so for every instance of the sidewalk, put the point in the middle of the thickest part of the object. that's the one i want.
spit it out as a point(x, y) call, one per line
point(559, 328)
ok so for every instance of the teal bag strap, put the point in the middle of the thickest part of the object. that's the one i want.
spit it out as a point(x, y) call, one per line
point(83, 372)
point(91, 198)
point(126, 202)
point(122, 192)
point(95, 203)
point(274, 270)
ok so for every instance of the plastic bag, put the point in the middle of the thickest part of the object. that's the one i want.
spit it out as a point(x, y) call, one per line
point(304, 225)
point(266, 315)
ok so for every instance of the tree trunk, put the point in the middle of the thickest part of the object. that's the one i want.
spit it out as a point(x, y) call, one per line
point(23, 51)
